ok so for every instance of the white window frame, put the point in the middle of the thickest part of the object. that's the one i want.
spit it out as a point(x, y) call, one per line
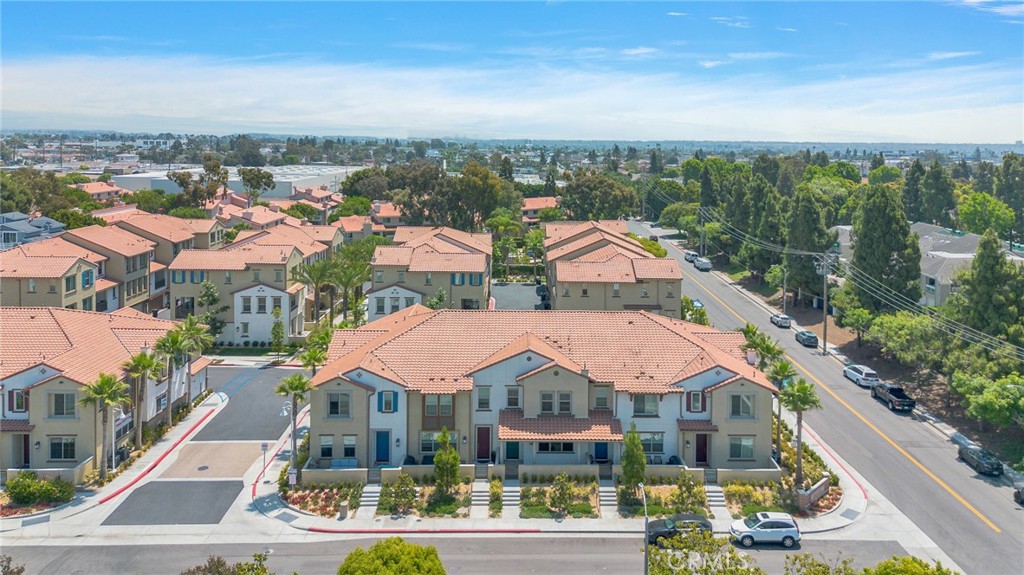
point(556, 447)
point(598, 390)
point(327, 446)
point(344, 408)
point(389, 401)
point(643, 400)
point(513, 398)
point(737, 403)
point(653, 442)
point(64, 441)
point(549, 399)
point(348, 445)
point(564, 402)
point(483, 399)
point(741, 443)
point(66, 411)
point(695, 401)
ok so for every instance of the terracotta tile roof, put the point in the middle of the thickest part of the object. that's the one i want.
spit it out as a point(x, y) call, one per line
point(155, 266)
point(618, 270)
point(200, 226)
point(79, 344)
point(437, 351)
point(657, 269)
point(199, 365)
point(15, 264)
point(113, 238)
point(443, 239)
point(598, 426)
point(16, 425)
point(237, 258)
point(105, 284)
point(259, 215)
point(593, 239)
point(557, 231)
point(425, 259)
point(111, 215)
point(522, 344)
point(696, 425)
point(96, 188)
point(320, 233)
point(284, 236)
point(168, 228)
point(352, 224)
point(58, 246)
point(540, 203)
point(386, 210)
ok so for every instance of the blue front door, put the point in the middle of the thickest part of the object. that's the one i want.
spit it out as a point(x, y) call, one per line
point(601, 451)
point(512, 450)
point(383, 447)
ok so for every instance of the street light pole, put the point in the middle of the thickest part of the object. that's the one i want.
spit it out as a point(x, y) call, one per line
point(643, 496)
point(785, 273)
point(113, 437)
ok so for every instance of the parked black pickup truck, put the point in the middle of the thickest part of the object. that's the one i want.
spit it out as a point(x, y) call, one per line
point(894, 395)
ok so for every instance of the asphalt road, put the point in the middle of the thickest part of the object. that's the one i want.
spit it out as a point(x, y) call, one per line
point(974, 520)
point(253, 411)
point(176, 503)
point(493, 556)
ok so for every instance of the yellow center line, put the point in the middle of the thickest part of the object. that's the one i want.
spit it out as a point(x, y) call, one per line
point(881, 434)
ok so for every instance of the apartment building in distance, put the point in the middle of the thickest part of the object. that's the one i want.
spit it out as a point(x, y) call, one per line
point(424, 260)
point(252, 281)
point(595, 266)
point(356, 228)
point(102, 191)
point(533, 206)
point(96, 292)
point(17, 228)
point(539, 392)
point(128, 257)
point(47, 355)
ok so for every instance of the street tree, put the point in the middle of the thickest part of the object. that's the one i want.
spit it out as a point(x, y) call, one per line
point(859, 320)
point(312, 357)
point(781, 374)
point(172, 348)
point(296, 386)
point(799, 397)
point(317, 275)
point(438, 301)
point(103, 394)
point(277, 332)
point(209, 297)
point(908, 565)
point(765, 225)
point(1010, 189)
point(697, 552)
point(393, 556)
point(884, 248)
point(988, 305)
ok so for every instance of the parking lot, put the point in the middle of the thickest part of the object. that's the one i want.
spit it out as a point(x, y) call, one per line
point(515, 296)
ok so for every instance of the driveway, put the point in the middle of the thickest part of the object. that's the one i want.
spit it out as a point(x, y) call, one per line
point(253, 412)
point(176, 503)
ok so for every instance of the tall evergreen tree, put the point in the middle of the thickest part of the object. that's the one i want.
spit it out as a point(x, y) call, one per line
point(1010, 189)
point(767, 167)
point(884, 248)
point(708, 189)
point(737, 208)
point(937, 201)
point(806, 231)
point(877, 161)
point(912, 191)
point(985, 178)
point(765, 225)
point(986, 303)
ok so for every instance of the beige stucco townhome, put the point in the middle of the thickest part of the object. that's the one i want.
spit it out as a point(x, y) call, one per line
point(538, 392)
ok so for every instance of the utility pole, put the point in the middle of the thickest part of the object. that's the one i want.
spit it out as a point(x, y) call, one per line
point(824, 308)
point(785, 295)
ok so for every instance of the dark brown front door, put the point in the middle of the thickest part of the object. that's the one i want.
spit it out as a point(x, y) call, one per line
point(702, 449)
point(483, 443)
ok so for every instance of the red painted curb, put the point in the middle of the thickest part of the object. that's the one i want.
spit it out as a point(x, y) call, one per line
point(158, 459)
point(390, 531)
point(836, 459)
point(265, 467)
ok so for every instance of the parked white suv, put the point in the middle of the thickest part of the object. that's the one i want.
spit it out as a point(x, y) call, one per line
point(702, 264)
point(862, 375)
point(766, 527)
point(690, 255)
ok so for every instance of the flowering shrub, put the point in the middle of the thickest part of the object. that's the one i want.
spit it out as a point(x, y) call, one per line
point(323, 500)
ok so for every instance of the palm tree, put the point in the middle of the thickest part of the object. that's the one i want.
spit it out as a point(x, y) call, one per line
point(799, 397)
point(767, 350)
point(172, 348)
point(141, 368)
point(297, 386)
point(350, 273)
point(196, 338)
point(313, 357)
point(780, 374)
point(316, 275)
point(105, 392)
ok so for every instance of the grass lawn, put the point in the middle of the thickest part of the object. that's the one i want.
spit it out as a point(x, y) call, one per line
point(736, 272)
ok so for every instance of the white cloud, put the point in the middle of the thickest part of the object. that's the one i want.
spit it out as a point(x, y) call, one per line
point(1012, 8)
point(757, 55)
point(640, 51)
point(733, 21)
point(950, 55)
point(676, 14)
point(711, 63)
point(183, 94)
point(432, 47)
point(787, 29)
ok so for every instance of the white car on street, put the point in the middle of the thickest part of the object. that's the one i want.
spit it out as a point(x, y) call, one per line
point(781, 320)
point(765, 527)
point(702, 264)
point(862, 375)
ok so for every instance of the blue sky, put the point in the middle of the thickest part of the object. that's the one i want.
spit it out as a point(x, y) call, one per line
point(796, 71)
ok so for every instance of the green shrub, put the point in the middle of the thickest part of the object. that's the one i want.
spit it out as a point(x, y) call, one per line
point(26, 488)
point(22, 488)
point(581, 509)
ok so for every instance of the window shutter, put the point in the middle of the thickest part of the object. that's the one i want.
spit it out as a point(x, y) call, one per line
point(25, 394)
point(703, 401)
point(689, 405)
point(394, 401)
point(10, 400)
point(380, 402)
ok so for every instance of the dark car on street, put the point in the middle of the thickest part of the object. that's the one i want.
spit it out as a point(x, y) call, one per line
point(1018, 494)
point(982, 460)
point(893, 395)
point(807, 338)
point(661, 529)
